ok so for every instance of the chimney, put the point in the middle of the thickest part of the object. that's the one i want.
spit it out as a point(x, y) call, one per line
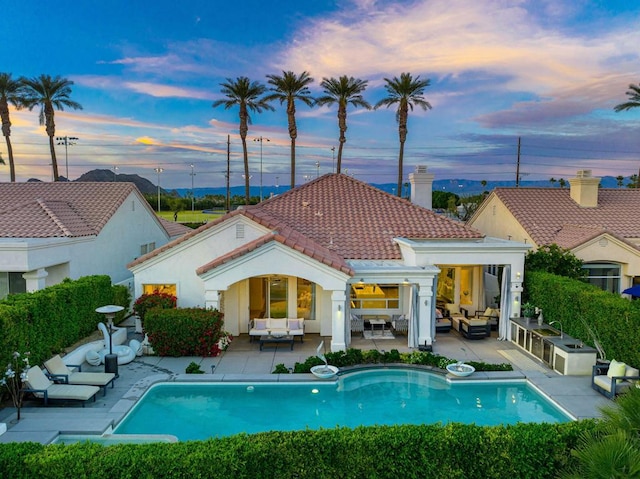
point(584, 189)
point(421, 187)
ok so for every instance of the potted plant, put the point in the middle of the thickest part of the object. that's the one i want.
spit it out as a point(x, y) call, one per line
point(528, 310)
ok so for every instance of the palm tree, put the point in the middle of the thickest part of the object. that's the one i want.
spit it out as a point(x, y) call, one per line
point(634, 99)
point(405, 92)
point(50, 94)
point(343, 91)
point(288, 88)
point(246, 94)
point(10, 93)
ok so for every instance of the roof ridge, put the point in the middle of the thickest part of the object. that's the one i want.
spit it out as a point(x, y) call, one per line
point(53, 216)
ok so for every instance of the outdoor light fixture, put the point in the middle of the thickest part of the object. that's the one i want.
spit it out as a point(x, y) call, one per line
point(339, 308)
point(518, 274)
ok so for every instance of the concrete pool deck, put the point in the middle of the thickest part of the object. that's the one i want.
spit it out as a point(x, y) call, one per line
point(244, 361)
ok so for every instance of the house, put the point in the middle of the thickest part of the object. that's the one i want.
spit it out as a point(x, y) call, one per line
point(598, 225)
point(329, 248)
point(53, 231)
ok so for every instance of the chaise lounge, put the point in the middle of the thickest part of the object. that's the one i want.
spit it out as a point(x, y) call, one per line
point(42, 387)
point(60, 372)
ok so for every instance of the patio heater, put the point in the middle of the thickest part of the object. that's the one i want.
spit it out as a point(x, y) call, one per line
point(110, 360)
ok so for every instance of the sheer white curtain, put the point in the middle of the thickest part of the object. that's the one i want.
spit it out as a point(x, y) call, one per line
point(505, 304)
point(413, 334)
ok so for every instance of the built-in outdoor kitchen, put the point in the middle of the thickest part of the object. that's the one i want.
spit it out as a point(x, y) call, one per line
point(562, 353)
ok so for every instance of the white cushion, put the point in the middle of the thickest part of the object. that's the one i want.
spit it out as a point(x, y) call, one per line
point(453, 308)
point(277, 323)
point(260, 324)
point(616, 369)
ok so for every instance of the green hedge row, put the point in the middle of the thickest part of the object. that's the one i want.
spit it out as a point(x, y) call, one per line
point(184, 331)
point(441, 451)
point(613, 319)
point(47, 321)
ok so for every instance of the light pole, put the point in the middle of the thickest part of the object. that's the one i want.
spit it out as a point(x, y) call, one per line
point(261, 140)
point(115, 168)
point(333, 159)
point(317, 169)
point(193, 198)
point(158, 170)
point(66, 141)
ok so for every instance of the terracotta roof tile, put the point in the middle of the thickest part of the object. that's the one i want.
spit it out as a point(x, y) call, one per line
point(549, 215)
point(60, 209)
point(333, 219)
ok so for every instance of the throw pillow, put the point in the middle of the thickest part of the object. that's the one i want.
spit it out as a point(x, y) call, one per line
point(261, 324)
point(294, 324)
point(616, 369)
point(489, 312)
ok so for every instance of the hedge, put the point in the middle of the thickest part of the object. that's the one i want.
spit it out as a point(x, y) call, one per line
point(47, 321)
point(614, 320)
point(441, 451)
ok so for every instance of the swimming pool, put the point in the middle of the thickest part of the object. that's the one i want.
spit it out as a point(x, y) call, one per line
point(388, 396)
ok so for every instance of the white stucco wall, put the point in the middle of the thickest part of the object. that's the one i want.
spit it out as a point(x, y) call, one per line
point(494, 219)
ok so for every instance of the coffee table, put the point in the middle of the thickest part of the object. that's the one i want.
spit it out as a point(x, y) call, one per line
point(275, 340)
point(377, 322)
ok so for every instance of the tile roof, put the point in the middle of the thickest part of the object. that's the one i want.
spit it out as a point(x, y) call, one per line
point(60, 209)
point(357, 220)
point(549, 215)
point(333, 219)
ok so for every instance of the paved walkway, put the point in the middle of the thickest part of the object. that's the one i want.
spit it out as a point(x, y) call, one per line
point(244, 361)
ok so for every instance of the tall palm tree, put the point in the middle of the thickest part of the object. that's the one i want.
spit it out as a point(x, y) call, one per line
point(10, 93)
point(634, 99)
point(50, 93)
point(246, 94)
point(288, 88)
point(406, 92)
point(634, 102)
point(343, 91)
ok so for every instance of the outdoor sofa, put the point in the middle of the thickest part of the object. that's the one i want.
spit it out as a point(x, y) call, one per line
point(276, 327)
point(614, 378)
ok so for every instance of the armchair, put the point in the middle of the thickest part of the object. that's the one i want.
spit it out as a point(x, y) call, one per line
point(614, 378)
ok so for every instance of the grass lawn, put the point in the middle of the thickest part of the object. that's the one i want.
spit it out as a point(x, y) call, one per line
point(190, 217)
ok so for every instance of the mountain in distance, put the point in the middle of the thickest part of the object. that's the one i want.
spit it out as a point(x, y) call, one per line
point(144, 185)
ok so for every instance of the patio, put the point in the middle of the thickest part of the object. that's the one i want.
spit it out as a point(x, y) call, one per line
point(244, 361)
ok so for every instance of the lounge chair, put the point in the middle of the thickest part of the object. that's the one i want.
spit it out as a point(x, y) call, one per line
point(60, 372)
point(614, 378)
point(357, 324)
point(42, 387)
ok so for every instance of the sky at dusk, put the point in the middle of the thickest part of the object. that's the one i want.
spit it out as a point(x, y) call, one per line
point(147, 73)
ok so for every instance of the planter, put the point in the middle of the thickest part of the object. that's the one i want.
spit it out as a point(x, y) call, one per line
point(324, 371)
point(461, 369)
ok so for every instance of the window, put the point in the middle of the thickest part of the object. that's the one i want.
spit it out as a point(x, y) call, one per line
point(12, 283)
point(374, 296)
point(306, 299)
point(159, 288)
point(603, 275)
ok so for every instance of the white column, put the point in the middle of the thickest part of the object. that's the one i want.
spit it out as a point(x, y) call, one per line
point(425, 320)
point(36, 280)
point(338, 342)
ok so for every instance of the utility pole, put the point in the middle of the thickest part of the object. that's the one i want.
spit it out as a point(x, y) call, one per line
point(261, 140)
point(333, 159)
point(518, 166)
point(193, 198)
point(228, 171)
point(158, 170)
point(66, 141)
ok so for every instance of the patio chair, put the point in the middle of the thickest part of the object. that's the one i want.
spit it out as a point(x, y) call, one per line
point(357, 324)
point(400, 324)
point(43, 388)
point(60, 372)
point(613, 378)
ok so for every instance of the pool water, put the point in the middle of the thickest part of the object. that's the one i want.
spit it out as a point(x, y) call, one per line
point(392, 396)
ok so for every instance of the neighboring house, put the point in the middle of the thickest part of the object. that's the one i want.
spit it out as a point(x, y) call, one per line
point(598, 225)
point(329, 248)
point(53, 231)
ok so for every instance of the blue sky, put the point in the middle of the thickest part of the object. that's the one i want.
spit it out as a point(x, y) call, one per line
point(146, 73)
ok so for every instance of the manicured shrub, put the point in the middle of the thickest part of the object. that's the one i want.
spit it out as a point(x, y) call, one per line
point(193, 368)
point(186, 332)
point(153, 300)
point(453, 450)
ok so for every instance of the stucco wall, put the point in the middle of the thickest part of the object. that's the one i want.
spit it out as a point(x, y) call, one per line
point(496, 220)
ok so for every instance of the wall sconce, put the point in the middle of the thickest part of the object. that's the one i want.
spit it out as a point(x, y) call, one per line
point(406, 281)
point(339, 308)
point(518, 275)
point(426, 302)
point(361, 280)
point(516, 299)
